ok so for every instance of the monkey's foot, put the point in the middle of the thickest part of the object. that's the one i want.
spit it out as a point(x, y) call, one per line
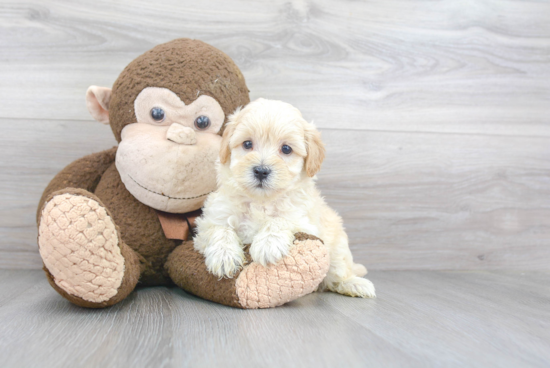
point(295, 275)
point(256, 286)
point(80, 248)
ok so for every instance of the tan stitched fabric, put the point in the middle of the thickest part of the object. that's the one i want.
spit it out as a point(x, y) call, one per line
point(79, 246)
point(294, 276)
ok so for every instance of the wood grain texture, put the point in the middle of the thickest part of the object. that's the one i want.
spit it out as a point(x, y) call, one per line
point(452, 66)
point(420, 319)
point(435, 114)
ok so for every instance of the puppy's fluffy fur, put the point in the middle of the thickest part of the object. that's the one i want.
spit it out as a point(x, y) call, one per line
point(267, 213)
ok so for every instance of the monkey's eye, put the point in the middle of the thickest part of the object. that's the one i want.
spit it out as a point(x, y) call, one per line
point(247, 145)
point(202, 122)
point(287, 150)
point(157, 114)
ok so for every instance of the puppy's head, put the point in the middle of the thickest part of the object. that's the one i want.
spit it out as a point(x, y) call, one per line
point(268, 146)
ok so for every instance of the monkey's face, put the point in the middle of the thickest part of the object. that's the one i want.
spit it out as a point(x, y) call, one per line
point(166, 109)
point(166, 160)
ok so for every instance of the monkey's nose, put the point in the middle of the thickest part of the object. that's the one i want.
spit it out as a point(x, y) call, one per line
point(180, 134)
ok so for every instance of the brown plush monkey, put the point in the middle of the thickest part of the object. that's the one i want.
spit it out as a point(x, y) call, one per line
point(122, 216)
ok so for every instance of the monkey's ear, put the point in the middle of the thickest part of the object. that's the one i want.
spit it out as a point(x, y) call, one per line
point(225, 150)
point(315, 151)
point(97, 101)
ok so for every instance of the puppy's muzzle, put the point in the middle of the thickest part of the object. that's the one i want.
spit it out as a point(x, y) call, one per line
point(261, 172)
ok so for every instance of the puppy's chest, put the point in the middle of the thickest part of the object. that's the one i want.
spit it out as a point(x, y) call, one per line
point(251, 221)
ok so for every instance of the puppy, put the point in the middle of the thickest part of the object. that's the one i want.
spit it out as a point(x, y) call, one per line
point(268, 159)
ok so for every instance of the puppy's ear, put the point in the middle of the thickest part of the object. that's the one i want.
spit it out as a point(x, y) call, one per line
point(315, 151)
point(225, 150)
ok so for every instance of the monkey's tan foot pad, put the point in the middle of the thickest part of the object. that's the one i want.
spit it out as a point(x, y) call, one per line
point(79, 246)
point(297, 274)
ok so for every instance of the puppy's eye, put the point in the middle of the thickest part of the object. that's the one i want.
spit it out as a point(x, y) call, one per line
point(202, 122)
point(286, 149)
point(247, 145)
point(157, 114)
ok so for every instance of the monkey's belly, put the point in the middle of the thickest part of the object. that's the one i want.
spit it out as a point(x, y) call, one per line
point(139, 227)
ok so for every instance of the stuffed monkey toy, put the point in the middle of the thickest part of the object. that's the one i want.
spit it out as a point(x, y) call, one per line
point(124, 216)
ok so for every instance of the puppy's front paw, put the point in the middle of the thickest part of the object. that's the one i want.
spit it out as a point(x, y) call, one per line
point(354, 286)
point(270, 247)
point(224, 261)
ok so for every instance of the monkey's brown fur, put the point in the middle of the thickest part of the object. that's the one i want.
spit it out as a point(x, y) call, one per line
point(189, 68)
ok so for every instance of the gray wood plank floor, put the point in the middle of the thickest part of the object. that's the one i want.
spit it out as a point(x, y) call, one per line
point(420, 319)
point(435, 114)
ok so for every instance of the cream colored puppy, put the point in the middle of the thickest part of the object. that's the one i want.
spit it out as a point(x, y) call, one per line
point(268, 159)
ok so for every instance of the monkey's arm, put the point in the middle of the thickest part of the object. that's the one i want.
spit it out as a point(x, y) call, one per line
point(83, 173)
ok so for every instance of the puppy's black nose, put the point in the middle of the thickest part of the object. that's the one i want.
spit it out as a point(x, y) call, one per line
point(261, 172)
